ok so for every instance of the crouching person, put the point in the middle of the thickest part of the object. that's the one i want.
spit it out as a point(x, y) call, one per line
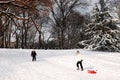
point(79, 61)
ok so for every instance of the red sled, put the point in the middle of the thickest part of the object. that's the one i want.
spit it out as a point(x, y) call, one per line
point(92, 71)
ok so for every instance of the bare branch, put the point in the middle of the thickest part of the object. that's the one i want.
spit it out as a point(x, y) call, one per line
point(12, 15)
point(36, 25)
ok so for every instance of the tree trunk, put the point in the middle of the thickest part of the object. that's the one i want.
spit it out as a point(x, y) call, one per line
point(9, 36)
point(40, 43)
point(22, 44)
point(17, 41)
point(61, 39)
point(25, 38)
point(2, 45)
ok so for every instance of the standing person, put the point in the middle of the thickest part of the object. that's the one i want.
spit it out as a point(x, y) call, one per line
point(79, 61)
point(33, 54)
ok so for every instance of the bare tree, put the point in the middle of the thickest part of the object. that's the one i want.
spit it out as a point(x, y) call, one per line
point(60, 13)
point(16, 10)
point(74, 31)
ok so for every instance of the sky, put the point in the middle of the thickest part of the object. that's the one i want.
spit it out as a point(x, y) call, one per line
point(88, 9)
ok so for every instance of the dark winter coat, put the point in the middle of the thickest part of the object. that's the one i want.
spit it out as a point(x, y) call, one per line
point(33, 54)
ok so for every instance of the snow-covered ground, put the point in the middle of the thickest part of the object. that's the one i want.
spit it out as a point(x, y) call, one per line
point(16, 64)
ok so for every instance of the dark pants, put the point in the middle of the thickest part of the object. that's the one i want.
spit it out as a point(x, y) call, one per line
point(80, 62)
point(33, 58)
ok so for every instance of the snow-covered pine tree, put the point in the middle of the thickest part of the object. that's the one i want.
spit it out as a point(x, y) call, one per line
point(103, 31)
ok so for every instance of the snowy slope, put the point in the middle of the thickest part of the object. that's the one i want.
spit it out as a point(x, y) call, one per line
point(16, 64)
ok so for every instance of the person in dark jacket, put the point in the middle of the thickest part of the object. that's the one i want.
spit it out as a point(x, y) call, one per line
point(33, 54)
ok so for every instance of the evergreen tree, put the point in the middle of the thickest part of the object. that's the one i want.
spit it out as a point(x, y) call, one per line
point(103, 32)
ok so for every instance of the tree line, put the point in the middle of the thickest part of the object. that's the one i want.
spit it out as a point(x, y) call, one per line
point(23, 23)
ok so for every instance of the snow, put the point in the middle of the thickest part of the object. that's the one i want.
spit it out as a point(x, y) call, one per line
point(16, 64)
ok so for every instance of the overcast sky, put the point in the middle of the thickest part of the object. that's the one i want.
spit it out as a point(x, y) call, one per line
point(85, 9)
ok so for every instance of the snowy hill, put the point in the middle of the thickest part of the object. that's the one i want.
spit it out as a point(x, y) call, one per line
point(16, 64)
